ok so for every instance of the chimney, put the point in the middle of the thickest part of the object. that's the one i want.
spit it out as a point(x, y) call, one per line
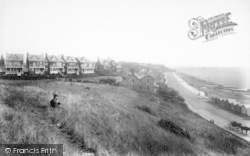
point(132, 71)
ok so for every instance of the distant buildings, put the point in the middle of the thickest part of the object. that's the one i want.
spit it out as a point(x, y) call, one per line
point(55, 64)
point(2, 69)
point(71, 65)
point(86, 66)
point(118, 68)
point(231, 104)
point(14, 64)
point(106, 65)
point(35, 63)
point(142, 82)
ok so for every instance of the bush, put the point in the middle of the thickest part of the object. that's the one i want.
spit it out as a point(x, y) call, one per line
point(172, 127)
point(145, 109)
point(180, 98)
point(108, 81)
point(220, 142)
point(167, 92)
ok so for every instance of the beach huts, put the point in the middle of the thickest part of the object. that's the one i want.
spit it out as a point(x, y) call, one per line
point(238, 107)
point(231, 104)
point(245, 109)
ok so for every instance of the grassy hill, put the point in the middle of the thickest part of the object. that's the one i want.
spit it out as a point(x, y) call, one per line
point(110, 120)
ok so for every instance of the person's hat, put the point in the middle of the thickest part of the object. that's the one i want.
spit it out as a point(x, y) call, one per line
point(55, 94)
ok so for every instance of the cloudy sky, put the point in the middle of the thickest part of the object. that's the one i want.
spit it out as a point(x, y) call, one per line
point(152, 31)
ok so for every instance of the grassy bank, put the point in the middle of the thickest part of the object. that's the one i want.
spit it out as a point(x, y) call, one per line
point(110, 120)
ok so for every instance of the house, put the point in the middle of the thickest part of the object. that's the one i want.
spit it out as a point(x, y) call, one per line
point(143, 82)
point(54, 64)
point(245, 109)
point(118, 69)
point(106, 65)
point(71, 65)
point(2, 69)
point(86, 66)
point(14, 64)
point(35, 63)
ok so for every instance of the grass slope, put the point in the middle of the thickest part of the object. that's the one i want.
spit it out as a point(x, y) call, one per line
point(110, 120)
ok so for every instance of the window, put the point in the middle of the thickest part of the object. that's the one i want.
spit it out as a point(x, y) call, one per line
point(147, 87)
point(140, 81)
point(147, 80)
point(140, 87)
point(133, 80)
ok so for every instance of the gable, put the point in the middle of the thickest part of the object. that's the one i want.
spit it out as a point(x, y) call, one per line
point(14, 57)
point(34, 57)
point(70, 59)
point(53, 58)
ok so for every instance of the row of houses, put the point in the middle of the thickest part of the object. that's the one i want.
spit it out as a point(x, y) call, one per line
point(53, 64)
point(232, 104)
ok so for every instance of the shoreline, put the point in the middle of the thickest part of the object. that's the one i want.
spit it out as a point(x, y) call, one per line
point(199, 105)
point(217, 90)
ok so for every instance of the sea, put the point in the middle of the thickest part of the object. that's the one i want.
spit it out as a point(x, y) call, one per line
point(237, 77)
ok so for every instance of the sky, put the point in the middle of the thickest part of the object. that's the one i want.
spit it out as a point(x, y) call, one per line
point(147, 31)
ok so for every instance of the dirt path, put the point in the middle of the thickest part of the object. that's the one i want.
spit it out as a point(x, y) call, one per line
point(208, 111)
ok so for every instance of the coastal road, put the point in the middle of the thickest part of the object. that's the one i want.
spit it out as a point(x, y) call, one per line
point(200, 105)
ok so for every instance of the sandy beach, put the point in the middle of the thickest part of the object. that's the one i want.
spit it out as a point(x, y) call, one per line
point(201, 105)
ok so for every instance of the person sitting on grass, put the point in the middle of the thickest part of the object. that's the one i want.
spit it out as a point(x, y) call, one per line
point(54, 102)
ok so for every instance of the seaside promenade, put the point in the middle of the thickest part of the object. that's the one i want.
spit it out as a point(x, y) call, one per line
point(200, 105)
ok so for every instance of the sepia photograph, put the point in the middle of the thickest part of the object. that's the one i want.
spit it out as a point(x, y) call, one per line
point(124, 78)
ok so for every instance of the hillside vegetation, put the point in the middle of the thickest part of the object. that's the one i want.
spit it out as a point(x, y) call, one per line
point(110, 121)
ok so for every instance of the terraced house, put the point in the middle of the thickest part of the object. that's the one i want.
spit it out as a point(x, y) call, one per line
point(14, 64)
point(35, 63)
point(54, 64)
point(71, 65)
point(86, 66)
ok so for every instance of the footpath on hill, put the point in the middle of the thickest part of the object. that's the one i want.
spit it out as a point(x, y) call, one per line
point(200, 105)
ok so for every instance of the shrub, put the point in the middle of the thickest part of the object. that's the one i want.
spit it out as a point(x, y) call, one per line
point(145, 109)
point(221, 142)
point(108, 81)
point(180, 98)
point(172, 127)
